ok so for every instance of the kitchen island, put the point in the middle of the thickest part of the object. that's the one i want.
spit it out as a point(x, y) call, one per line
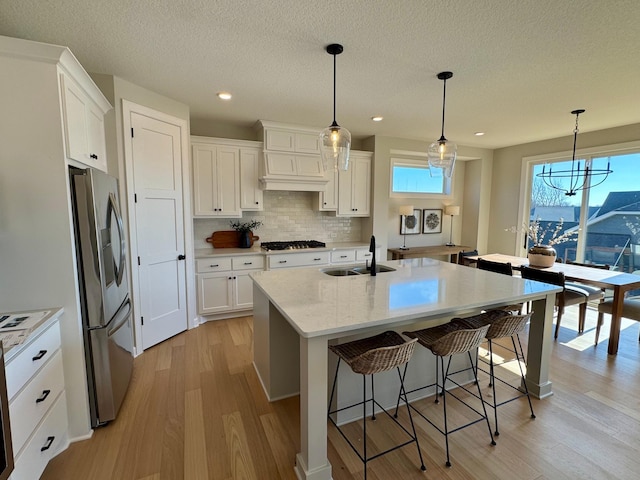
point(298, 312)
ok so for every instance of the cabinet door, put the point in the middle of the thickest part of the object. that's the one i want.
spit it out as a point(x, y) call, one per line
point(361, 186)
point(83, 125)
point(329, 198)
point(227, 182)
point(215, 293)
point(204, 194)
point(251, 195)
point(243, 294)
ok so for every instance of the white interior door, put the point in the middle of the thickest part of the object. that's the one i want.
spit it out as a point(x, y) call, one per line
point(157, 177)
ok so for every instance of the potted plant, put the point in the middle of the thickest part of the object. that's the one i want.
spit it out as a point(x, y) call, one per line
point(542, 253)
point(245, 230)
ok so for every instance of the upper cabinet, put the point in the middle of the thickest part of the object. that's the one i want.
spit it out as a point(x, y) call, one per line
point(83, 125)
point(354, 186)
point(291, 158)
point(225, 176)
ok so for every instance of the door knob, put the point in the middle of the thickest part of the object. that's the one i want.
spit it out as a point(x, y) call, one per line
point(181, 257)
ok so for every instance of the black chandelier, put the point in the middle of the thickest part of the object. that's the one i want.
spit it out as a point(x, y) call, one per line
point(579, 178)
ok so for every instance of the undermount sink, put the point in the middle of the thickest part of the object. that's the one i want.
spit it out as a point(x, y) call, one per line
point(345, 272)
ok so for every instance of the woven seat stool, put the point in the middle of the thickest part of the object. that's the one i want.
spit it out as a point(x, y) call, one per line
point(445, 341)
point(369, 356)
point(501, 326)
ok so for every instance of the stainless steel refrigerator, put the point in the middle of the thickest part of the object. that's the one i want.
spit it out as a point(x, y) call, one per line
point(104, 292)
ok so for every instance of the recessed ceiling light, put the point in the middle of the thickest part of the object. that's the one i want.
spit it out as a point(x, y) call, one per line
point(224, 95)
point(479, 134)
point(377, 118)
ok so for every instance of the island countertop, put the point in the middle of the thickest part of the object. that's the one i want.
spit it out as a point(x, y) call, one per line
point(315, 303)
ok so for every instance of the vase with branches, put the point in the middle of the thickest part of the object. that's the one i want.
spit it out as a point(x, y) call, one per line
point(543, 238)
point(245, 230)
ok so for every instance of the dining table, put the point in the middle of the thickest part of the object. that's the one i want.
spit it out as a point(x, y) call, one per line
point(619, 282)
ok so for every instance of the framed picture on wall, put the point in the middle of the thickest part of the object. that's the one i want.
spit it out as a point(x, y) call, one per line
point(410, 224)
point(432, 220)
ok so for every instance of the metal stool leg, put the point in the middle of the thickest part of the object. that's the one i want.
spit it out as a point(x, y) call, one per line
point(484, 408)
point(444, 405)
point(406, 401)
point(492, 383)
point(524, 380)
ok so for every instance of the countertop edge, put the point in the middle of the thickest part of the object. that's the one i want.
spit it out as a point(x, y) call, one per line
point(54, 314)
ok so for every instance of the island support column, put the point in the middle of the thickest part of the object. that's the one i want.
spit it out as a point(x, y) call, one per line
point(312, 462)
point(539, 348)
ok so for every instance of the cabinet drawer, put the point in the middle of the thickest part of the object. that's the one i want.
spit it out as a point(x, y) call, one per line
point(33, 402)
point(213, 264)
point(365, 254)
point(286, 260)
point(22, 367)
point(248, 262)
point(342, 256)
point(49, 436)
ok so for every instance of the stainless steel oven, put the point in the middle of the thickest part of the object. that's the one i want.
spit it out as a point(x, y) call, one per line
point(6, 450)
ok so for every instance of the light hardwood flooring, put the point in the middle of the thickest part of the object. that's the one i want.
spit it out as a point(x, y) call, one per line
point(195, 410)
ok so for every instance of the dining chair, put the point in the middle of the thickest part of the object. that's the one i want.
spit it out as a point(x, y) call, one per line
point(463, 257)
point(572, 296)
point(595, 293)
point(504, 268)
point(630, 310)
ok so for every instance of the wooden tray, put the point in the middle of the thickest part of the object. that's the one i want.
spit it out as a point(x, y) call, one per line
point(228, 239)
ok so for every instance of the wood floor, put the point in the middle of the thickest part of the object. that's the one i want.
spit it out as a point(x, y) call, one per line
point(195, 410)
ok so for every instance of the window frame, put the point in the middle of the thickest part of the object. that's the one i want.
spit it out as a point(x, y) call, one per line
point(415, 162)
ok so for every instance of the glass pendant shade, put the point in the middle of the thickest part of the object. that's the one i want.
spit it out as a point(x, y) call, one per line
point(335, 145)
point(442, 154)
point(335, 141)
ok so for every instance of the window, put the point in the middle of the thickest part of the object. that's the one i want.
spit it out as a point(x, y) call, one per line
point(415, 178)
point(605, 217)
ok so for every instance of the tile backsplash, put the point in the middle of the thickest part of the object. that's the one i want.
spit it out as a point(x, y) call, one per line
point(287, 216)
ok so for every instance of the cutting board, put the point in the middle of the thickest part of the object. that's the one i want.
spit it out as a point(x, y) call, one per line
point(228, 239)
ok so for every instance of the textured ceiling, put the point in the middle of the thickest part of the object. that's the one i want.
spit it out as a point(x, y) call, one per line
point(520, 66)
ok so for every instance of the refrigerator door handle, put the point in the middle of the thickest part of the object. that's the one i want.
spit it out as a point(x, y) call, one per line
point(120, 319)
point(113, 206)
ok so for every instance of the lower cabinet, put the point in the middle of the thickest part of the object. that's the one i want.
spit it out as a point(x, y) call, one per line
point(37, 403)
point(224, 285)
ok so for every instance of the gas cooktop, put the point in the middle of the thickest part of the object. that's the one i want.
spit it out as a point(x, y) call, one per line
point(292, 245)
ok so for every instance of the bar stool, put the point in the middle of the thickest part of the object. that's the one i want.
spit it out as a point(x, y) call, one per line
point(368, 356)
point(501, 326)
point(445, 341)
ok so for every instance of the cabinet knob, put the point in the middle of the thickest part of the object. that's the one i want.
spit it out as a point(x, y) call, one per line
point(257, 203)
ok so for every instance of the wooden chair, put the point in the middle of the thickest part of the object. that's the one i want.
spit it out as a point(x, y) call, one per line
point(504, 269)
point(368, 356)
point(595, 293)
point(630, 310)
point(567, 297)
point(464, 260)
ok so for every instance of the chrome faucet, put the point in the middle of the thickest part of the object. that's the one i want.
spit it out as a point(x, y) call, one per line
point(372, 249)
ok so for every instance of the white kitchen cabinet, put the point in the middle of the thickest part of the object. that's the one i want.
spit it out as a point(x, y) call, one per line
point(37, 402)
point(83, 125)
point(354, 187)
point(251, 195)
point(224, 285)
point(216, 180)
point(328, 199)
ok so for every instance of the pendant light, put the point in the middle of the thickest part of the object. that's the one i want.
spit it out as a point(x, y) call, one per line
point(578, 178)
point(335, 141)
point(442, 154)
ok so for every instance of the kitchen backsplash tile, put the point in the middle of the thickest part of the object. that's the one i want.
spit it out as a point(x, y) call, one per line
point(287, 216)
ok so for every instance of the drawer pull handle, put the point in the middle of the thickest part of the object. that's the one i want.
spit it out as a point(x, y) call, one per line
point(40, 354)
point(47, 445)
point(317, 259)
point(248, 263)
point(343, 256)
point(94, 156)
point(43, 397)
point(282, 261)
point(214, 266)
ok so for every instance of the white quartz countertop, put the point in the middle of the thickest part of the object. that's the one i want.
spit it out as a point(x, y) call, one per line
point(255, 249)
point(318, 304)
point(43, 318)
